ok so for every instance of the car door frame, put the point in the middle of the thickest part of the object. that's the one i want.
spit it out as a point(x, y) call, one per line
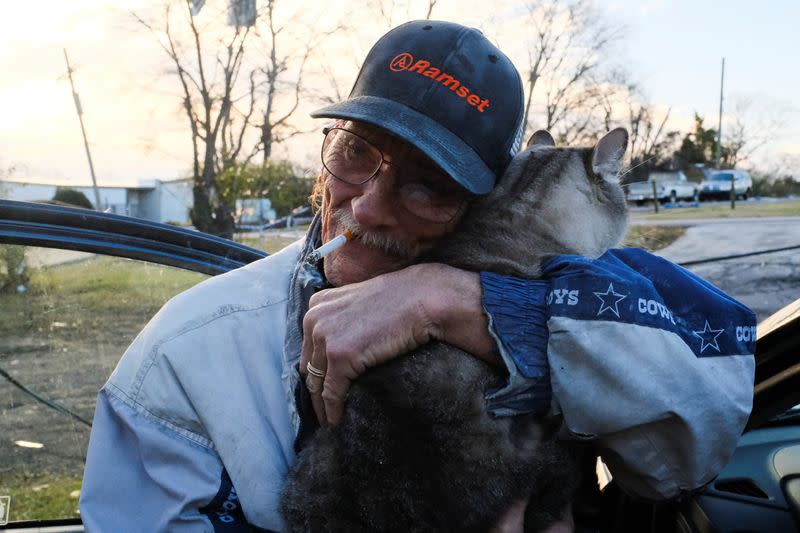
point(70, 228)
point(83, 230)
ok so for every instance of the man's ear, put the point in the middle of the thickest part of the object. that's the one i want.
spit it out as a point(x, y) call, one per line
point(541, 138)
point(608, 152)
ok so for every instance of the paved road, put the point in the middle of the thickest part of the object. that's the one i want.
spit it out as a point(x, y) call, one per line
point(707, 221)
point(764, 282)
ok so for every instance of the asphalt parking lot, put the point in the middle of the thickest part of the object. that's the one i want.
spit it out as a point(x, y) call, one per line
point(765, 282)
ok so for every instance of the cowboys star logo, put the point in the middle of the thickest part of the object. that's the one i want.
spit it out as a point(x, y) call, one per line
point(401, 62)
point(610, 300)
point(708, 337)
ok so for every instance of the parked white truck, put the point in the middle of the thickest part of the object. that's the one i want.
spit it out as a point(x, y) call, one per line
point(671, 186)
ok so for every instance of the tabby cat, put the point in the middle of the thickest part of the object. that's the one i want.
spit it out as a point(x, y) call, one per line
point(417, 450)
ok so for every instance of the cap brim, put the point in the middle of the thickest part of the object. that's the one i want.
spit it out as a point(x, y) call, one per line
point(444, 148)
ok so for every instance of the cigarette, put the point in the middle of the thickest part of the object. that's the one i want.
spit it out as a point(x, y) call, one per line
point(333, 244)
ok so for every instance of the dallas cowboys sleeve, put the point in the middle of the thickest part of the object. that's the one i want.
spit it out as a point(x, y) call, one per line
point(651, 362)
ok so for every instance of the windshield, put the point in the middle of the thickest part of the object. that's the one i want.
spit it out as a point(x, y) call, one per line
point(788, 417)
point(664, 177)
point(721, 176)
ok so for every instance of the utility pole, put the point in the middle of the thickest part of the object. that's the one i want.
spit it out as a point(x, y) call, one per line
point(83, 131)
point(719, 127)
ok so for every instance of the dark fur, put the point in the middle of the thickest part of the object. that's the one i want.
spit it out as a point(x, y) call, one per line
point(416, 450)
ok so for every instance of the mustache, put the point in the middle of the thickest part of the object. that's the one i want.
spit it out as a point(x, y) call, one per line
point(374, 239)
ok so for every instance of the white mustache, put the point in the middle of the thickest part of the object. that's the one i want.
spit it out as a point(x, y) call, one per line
point(373, 239)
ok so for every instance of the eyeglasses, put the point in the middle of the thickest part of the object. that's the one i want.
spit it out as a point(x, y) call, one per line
point(423, 191)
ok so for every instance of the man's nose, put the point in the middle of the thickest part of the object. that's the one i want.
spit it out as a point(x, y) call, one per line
point(376, 205)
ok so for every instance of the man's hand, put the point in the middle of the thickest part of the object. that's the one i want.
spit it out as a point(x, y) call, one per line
point(352, 328)
point(513, 520)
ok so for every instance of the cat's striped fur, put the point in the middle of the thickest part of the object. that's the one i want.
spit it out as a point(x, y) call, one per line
point(417, 450)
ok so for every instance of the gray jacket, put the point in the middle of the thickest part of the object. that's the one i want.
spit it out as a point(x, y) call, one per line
point(194, 430)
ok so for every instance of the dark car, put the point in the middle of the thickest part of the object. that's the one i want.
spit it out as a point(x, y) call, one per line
point(76, 286)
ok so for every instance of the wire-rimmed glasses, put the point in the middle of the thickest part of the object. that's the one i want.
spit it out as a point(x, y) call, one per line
point(425, 191)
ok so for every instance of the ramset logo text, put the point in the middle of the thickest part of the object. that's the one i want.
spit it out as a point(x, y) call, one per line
point(405, 62)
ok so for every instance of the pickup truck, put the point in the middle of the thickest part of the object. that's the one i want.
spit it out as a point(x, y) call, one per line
point(671, 186)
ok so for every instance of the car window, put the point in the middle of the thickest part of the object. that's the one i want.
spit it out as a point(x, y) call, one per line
point(65, 319)
point(721, 176)
point(662, 177)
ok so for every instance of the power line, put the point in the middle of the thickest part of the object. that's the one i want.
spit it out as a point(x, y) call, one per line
point(737, 256)
point(41, 399)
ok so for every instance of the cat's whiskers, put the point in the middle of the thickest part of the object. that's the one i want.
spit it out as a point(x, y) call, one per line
point(622, 175)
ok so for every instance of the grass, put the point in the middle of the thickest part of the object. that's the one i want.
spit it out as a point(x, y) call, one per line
point(109, 288)
point(652, 238)
point(269, 242)
point(41, 496)
point(721, 210)
point(62, 338)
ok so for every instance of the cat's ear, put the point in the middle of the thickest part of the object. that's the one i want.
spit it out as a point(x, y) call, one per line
point(608, 152)
point(541, 138)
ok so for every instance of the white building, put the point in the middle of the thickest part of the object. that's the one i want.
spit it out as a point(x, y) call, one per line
point(156, 200)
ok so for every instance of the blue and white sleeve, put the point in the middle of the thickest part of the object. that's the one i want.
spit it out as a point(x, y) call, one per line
point(637, 354)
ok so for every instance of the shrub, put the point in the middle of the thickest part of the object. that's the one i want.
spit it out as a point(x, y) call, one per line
point(276, 180)
point(777, 187)
point(13, 271)
point(72, 197)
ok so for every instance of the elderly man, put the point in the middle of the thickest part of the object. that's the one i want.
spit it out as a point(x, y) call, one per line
point(202, 418)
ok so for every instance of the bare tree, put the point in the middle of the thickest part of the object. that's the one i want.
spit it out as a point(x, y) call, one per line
point(281, 75)
point(647, 130)
point(390, 13)
point(431, 5)
point(333, 91)
point(331, 77)
point(5, 173)
point(648, 139)
point(753, 125)
point(207, 87)
point(564, 76)
point(620, 101)
point(240, 86)
point(384, 11)
point(782, 165)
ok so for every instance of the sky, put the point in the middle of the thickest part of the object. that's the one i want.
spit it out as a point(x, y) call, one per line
point(673, 49)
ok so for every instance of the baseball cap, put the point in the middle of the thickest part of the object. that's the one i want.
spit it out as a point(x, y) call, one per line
point(448, 91)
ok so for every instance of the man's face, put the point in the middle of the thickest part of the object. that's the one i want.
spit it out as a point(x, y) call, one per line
point(390, 237)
